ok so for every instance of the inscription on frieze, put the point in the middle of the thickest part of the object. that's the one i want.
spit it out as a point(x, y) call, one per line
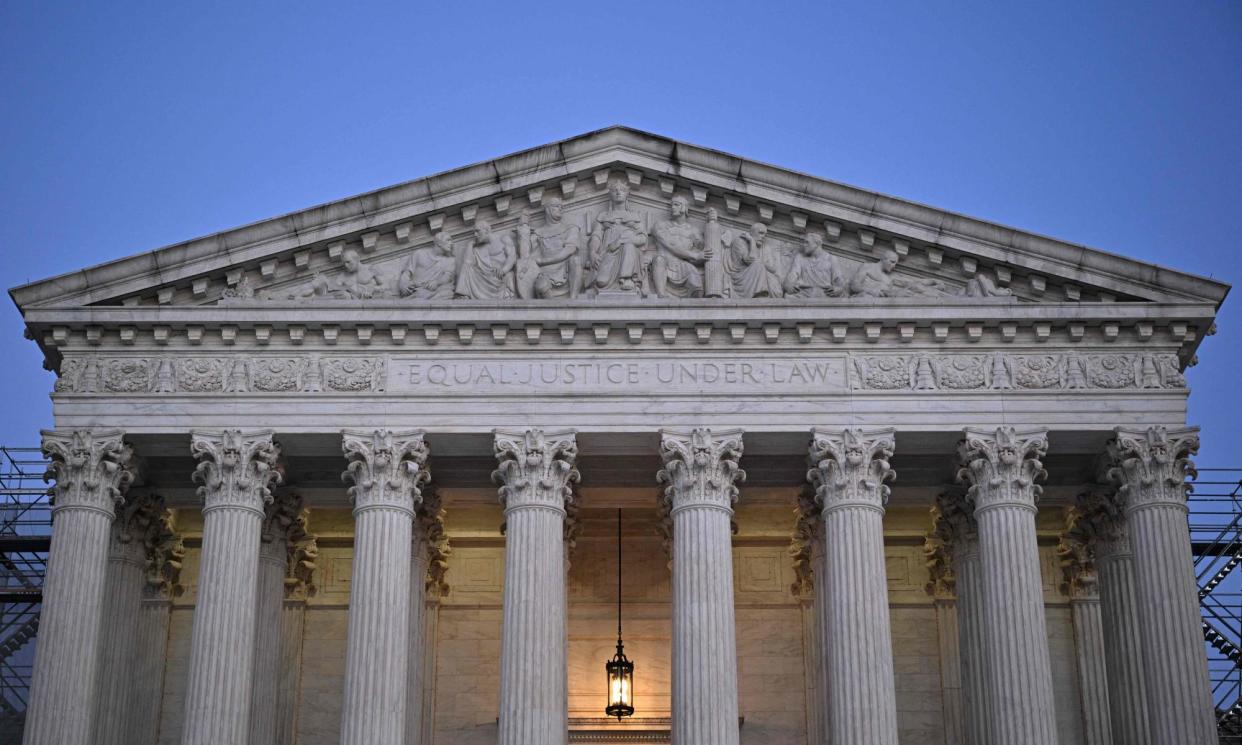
point(419, 374)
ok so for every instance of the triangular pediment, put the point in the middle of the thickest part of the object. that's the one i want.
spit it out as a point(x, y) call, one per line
point(314, 255)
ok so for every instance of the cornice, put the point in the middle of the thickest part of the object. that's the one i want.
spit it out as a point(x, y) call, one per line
point(768, 189)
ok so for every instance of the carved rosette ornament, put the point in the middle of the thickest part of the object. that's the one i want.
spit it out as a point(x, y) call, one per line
point(1150, 470)
point(235, 468)
point(701, 468)
point(386, 468)
point(535, 469)
point(1002, 468)
point(92, 469)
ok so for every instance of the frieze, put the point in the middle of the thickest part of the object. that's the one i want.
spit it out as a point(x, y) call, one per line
point(915, 372)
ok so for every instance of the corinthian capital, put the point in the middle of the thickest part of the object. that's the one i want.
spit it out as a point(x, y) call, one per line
point(1150, 467)
point(92, 469)
point(1002, 467)
point(849, 467)
point(1077, 549)
point(235, 468)
point(165, 553)
point(536, 469)
point(388, 469)
point(954, 532)
point(701, 467)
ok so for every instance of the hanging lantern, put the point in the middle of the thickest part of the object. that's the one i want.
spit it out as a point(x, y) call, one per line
point(620, 670)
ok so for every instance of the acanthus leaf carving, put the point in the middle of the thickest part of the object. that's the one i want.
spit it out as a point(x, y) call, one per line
point(536, 468)
point(430, 516)
point(235, 468)
point(387, 469)
point(1002, 466)
point(850, 467)
point(165, 553)
point(92, 469)
point(701, 468)
point(953, 532)
point(807, 530)
point(1152, 466)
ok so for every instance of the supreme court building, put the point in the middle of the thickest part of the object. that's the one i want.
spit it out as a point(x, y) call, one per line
point(878, 472)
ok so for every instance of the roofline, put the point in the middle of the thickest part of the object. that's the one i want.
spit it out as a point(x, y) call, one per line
point(334, 220)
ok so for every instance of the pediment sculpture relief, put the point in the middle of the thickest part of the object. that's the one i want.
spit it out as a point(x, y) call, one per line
point(617, 251)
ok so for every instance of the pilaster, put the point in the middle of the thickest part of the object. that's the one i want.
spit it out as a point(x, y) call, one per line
point(1001, 468)
point(165, 552)
point(92, 470)
point(280, 517)
point(699, 474)
point(536, 473)
point(939, 548)
point(300, 565)
point(848, 470)
point(1150, 468)
point(236, 471)
point(388, 470)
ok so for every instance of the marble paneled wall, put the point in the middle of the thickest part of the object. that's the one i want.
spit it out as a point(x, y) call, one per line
point(770, 631)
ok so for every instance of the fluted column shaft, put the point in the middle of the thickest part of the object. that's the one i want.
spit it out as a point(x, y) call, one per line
point(269, 599)
point(151, 650)
point(848, 470)
point(387, 470)
point(1092, 675)
point(700, 468)
point(536, 473)
point(970, 640)
point(91, 471)
point(1002, 468)
point(293, 625)
point(236, 471)
point(1150, 469)
point(418, 642)
point(1123, 649)
point(126, 569)
point(949, 637)
point(819, 622)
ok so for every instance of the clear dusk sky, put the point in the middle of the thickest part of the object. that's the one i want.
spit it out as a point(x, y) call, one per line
point(128, 126)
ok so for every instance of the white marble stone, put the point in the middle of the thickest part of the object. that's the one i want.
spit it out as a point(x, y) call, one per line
point(1123, 648)
point(849, 469)
point(1002, 467)
point(92, 473)
point(236, 470)
point(388, 470)
point(700, 468)
point(536, 474)
point(1149, 469)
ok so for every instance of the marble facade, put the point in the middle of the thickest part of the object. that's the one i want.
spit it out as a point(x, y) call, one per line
point(888, 474)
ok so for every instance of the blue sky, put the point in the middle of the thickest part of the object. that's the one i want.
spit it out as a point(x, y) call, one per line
point(127, 126)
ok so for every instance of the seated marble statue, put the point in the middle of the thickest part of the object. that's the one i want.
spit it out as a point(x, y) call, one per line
point(486, 269)
point(876, 279)
point(431, 271)
point(813, 272)
point(616, 242)
point(357, 282)
point(753, 264)
point(982, 285)
point(548, 263)
point(677, 269)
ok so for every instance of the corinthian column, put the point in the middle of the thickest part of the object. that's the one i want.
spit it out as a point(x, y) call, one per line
point(1123, 648)
point(127, 564)
point(388, 470)
point(808, 554)
point(164, 555)
point(954, 525)
point(280, 517)
point(1077, 553)
point(303, 552)
point(848, 471)
point(426, 548)
point(536, 475)
point(700, 468)
point(1150, 469)
point(92, 473)
point(1001, 468)
point(236, 471)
